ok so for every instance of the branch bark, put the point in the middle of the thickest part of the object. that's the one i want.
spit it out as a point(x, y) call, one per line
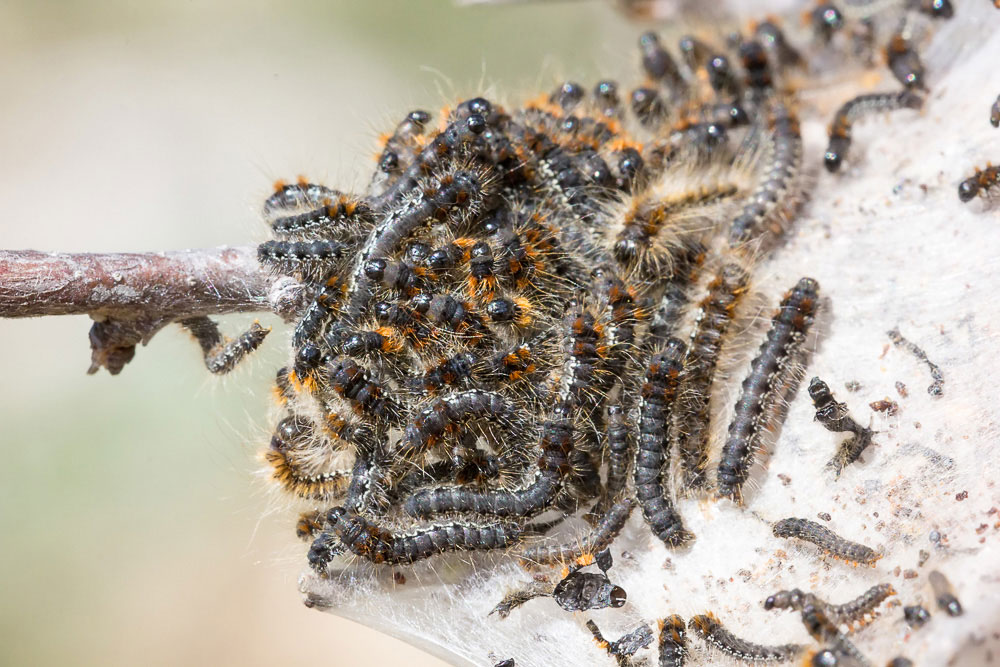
point(131, 296)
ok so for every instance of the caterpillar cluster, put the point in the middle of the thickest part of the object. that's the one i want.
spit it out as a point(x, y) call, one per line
point(520, 320)
point(493, 319)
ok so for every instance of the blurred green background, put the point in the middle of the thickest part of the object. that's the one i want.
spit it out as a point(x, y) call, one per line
point(135, 527)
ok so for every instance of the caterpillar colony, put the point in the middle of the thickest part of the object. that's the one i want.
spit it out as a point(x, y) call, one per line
point(523, 322)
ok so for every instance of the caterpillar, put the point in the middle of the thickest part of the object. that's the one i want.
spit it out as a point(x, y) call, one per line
point(979, 183)
point(848, 613)
point(222, 354)
point(658, 394)
point(904, 62)
point(691, 416)
point(342, 214)
point(852, 110)
point(446, 413)
point(289, 443)
point(311, 260)
point(618, 443)
point(288, 197)
point(763, 385)
point(672, 643)
point(822, 628)
point(555, 444)
point(379, 545)
point(400, 150)
point(711, 630)
point(774, 198)
point(944, 594)
point(826, 540)
point(578, 551)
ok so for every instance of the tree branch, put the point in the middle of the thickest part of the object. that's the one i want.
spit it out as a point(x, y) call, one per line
point(131, 296)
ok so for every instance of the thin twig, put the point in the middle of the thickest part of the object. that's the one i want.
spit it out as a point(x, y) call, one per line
point(131, 296)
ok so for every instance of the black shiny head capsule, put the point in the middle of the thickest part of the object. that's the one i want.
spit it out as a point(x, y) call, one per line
point(720, 74)
point(362, 343)
point(288, 433)
point(629, 166)
point(389, 162)
point(606, 90)
point(501, 310)
point(382, 311)
point(375, 268)
point(568, 95)
point(939, 9)
point(476, 123)
point(968, 189)
point(715, 134)
point(950, 604)
point(826, 20)
point(784, 600)
point(418, 117)
point(825, 658)
point(606, 97)
point(499, 218)
point(904, 62)
point(647, 106)
point(916, 616)
point(737, 115)
point(479, 105)
point(439, 259)
point(832, 160)
point(693, 50)
point(656, 62)
point(421, 302)
point(307, 359)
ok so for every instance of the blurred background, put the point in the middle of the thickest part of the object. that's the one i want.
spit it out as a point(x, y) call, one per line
point(136, 528)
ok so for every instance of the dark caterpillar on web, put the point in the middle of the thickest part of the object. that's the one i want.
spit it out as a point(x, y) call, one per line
point(980, 183)
point(849, 613)
point(287, 198)
point(379, 545)
point(658, 394)
point(764, 384)
point(343, 214)
point(582, 550)
point(852, 110)
point(775, 196)
point(223, 354)
point(293, 438)
point(711, 630)
point(827, 540)
point(673, 642)
point(552, 467)
point(691, 416)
